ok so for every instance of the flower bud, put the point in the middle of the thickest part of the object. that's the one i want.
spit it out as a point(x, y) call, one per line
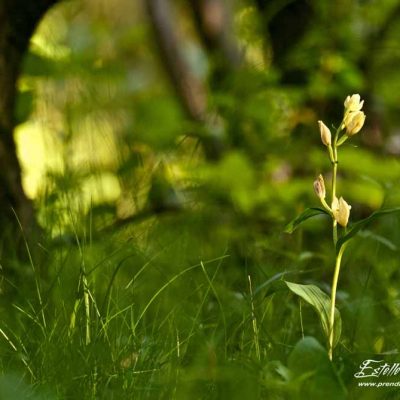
point(319, 187)
point(341, 211)
point(353, 122)
point(326, 136)
point(353, 103)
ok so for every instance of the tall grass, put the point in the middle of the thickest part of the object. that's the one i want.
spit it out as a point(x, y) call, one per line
point(116, 316)
point(110, 321)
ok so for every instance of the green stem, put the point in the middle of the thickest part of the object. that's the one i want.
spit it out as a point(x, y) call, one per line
point(334, 173)
point(334, 179)
point(334, 234)
point(333, 299)
point(325, 205)
point(342, 140)
point(334, 159)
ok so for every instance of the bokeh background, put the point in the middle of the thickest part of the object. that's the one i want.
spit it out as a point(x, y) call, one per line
point(165, 145)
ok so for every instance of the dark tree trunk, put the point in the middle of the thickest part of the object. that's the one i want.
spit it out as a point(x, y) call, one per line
point(191, 91)
point(285, 23)
point(214, 23)
point(18, 20)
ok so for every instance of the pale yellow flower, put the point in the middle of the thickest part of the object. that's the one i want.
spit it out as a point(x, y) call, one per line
point(341, 211)
point(353, 122)
point(353, 103)
point(326, 136)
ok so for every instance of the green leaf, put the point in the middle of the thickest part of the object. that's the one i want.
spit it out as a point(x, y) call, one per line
point(38, 65)
point(313, 373)
point(306, 214)
point(321, 302)
point(355, 228)
point(23, 106)
point(367, 234)
point(13, 387)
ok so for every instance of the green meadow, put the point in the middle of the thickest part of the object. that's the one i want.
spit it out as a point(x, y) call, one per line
point(175, 222)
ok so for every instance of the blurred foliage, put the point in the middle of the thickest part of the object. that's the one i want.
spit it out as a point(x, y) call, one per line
point(149, 242)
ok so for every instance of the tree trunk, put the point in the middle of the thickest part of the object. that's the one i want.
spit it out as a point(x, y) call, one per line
point(18, 20)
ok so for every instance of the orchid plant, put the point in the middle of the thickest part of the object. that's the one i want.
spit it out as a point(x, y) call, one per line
point(339, 212)
point(353, 121)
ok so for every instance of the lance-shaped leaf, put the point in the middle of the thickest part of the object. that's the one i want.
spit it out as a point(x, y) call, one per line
point(305, 215)
point(355, 228)
point(321, 302)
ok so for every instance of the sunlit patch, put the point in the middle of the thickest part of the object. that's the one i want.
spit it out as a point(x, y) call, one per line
point(100, 188)
point(47, 41)
point(36, 154)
